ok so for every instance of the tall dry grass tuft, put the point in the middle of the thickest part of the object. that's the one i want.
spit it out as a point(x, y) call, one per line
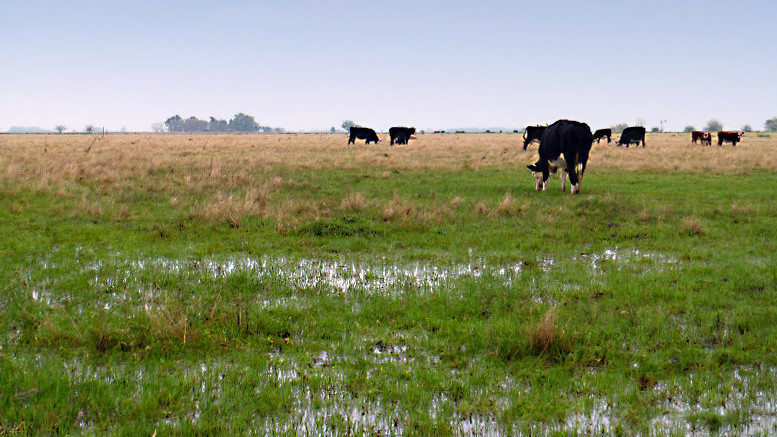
point(743, 209)
point(123, 214)
point(229, 209)
point(258, 196)
point(481, 209)
point(170, 321)
point(509, 207)
point(354, 202)
point(546, 337)
point(397, 209)
point(692, 226)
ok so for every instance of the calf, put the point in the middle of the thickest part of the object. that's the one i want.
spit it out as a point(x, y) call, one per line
point(564, 145)
point(702, 137)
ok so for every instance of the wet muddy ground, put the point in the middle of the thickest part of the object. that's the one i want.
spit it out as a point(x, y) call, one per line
point(314, 385)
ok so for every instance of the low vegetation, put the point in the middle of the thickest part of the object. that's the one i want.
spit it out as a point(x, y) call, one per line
point(290, 284)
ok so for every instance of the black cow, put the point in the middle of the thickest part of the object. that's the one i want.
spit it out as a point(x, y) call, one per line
point(731, 137)
point(363, 133)
point(401, 135)
point(602, 133)
point(532, 133)
point(565, 144)
point(703, 137)
point(632, 135)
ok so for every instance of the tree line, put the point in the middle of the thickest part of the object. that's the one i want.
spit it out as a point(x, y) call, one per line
point(239, 123)
point(712, 125)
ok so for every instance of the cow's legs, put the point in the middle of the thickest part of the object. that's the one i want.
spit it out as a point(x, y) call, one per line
point(574, 179)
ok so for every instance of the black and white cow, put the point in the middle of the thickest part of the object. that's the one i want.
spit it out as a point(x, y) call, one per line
point(362, 133)
point(532, 133)
point(401, 135)
point(564, 145)
point(632, 135)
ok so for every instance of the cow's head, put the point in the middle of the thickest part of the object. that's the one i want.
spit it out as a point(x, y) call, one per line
point(739, 135)
point(536, 172)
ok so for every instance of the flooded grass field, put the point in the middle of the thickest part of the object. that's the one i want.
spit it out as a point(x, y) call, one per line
point(400, 298)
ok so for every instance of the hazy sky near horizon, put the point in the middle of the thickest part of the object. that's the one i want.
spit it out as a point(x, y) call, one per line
point(307, 65)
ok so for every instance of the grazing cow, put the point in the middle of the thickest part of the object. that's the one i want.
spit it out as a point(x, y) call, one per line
point(532, 133)
point(702, 137)
point(363, 133)
point(632, 135)
point(731, 137)
point(602, 133)
point(565, 144)
point(401, 135)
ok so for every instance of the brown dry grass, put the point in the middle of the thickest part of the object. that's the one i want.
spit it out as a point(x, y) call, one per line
point(231, 160)
point(221, 178)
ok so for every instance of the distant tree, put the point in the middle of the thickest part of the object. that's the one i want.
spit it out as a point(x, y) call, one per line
point(688, 129)
point(713, 126)
point(60, 128)
point(174, 124)
point(158, 127)
point(771, 125)
point(347, 124)
point(655, 129)
point(215, 125)
point(747, 128)
point(332, 130)
point(193, 124)
point(243, 123)
point(89, 128)
point(619, 127)
point(278, 130)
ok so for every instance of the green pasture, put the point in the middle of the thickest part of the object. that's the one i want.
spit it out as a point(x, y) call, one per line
point(367, 302)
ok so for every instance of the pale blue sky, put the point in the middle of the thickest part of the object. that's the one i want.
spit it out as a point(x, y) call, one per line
point(306, 65)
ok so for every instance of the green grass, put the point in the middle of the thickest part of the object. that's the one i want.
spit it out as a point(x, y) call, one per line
point(648, 296)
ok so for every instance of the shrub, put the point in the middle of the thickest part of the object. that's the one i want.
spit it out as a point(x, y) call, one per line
point(771, 125)
point(713, 126)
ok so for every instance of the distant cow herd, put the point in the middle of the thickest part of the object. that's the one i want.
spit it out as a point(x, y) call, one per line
point(563, 145)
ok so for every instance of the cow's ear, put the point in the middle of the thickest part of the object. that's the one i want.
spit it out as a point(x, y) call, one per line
point(533, 167)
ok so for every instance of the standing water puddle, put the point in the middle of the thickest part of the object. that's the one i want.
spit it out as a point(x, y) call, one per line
point(342, 277)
